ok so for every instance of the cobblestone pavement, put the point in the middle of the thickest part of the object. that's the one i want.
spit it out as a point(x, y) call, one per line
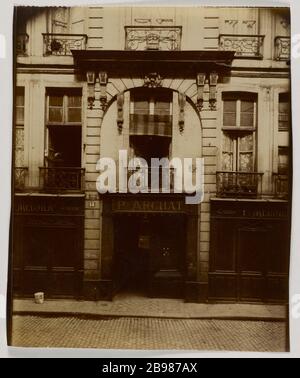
point(149, 333)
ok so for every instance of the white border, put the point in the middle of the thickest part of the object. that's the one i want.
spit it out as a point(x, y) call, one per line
point(6, 80)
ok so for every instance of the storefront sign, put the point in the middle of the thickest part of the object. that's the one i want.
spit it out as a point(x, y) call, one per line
point(138, 206)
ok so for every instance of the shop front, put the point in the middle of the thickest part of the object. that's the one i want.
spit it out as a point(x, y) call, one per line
point(149, 247)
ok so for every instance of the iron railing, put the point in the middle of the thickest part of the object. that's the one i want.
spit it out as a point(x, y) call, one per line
point(22, 44)
point(283, 48)
point(281, 186)
point(63, 44)
point(239, 184)
point(153, 37)
point(245, 46)
point(20, 177)
point(62, 179)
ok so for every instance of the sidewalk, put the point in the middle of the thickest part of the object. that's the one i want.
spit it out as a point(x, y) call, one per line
point(140, 307)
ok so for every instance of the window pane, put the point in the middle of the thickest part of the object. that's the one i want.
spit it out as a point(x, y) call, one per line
point(246, 143)
point(229, 118)
point(247, 106)
point(55, 115)
point(284, 113)
point(20, 115)
point(230, 106)
point(246, 162)
point(284, 107)
point(141, 107)
point(247, 114)
point(162, 108)
point(19, 99)
point(56, 100)
point(227, 163)
point(283, 160)
point(74, 115)
point(74, 101)
point(247, 120)
point(227, 158)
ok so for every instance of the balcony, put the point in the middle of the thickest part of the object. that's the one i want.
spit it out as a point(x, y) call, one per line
point(239, 184)
point(153, 38)
point(281, 186)
point(63, 44)
point(22, 44)
point(61, 179)
point(282, 49)
point(245, 46)
point(21, 174)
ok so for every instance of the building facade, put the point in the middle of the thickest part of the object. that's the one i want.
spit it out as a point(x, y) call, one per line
point(158, 83)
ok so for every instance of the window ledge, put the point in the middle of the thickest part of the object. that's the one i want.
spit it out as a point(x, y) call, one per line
point(234, 128)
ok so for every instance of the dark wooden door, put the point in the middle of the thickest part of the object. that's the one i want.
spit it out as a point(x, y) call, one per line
point(52, 261)
point(167, 257)
point(249, 260)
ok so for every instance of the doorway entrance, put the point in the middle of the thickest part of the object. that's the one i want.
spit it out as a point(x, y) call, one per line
point(149, 257)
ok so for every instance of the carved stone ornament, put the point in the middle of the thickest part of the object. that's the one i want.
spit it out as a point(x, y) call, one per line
point(103, 80)
point(120, 105)
point(249, 23)
point(153, 80)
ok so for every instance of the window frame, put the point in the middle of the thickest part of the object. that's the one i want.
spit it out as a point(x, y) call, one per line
point(236, 133)
point(19, 126)
point(238, 98)
point(152, 100)
point(18, 122)
point(284, 97)
point(66, 93)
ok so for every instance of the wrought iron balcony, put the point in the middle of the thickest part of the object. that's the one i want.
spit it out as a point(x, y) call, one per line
point(281, 186)
point(153, 38)
point(60, 179)
point(245, 46)
point(21, 174)
point(63, 44)
point(22, 44)
point(283, 48)
point(239, 184)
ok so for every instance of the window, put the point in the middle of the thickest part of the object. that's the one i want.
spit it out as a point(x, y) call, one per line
point(283, 160)
point(284, 112)
point(64, 128)
point(19, 132)
point(59, 19)
point(239, 126)
point(151, 113)
point(239, 111)
point(20, 104)
point(64, 107)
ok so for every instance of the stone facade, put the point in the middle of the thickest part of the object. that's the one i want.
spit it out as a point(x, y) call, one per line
point(110, 52)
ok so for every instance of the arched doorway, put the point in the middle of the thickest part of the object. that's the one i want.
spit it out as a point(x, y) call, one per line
point(150, 241)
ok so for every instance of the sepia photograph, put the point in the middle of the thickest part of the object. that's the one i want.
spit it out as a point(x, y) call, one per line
point(152, 178)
